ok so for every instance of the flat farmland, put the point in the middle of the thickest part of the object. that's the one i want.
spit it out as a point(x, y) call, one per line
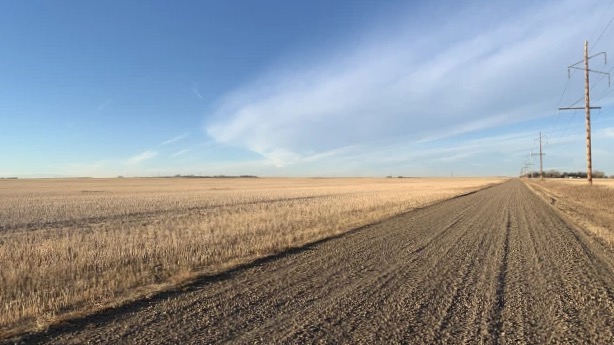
point(501, 265)
point(582, 182)
point(72, 247)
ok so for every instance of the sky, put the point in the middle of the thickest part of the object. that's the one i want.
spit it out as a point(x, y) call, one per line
point(301, 88)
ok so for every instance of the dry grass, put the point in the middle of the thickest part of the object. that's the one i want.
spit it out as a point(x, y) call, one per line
point(582, 182)
point(591, 207)
point(71, 247)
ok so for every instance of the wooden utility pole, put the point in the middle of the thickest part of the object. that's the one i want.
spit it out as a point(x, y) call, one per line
point(587, 105)
point(541, 158)
point(541, 155)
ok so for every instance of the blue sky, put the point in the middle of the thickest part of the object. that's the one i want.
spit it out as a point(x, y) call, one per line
point(289, 88)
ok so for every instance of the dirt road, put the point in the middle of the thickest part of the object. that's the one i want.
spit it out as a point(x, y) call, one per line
point(497, 266)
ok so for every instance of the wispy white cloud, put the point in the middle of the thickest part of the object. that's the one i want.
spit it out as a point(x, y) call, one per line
point(179, 153)
point(196, 92)
point(104, 105)
point(606, 132)
point(172, 140)
point(417, 87)
point(143, 156)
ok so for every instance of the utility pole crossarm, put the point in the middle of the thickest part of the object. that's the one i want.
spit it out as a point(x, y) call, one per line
point(605, 58)
point(591, 70)
point(578, 108)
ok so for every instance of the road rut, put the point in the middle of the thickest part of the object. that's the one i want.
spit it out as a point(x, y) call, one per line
point(497, 266)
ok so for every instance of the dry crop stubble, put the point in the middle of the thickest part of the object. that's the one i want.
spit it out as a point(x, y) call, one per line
point(591, 207)
point(71, 247)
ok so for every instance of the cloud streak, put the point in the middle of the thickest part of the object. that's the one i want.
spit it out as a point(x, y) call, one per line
point(197, 93)
point(173, 140)
point(181, 152)
point(408, 91)
point(143, 156)
point(104, 105)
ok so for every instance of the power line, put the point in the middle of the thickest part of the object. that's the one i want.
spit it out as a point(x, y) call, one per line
point(606, 27)
point(552, 131)
point(568, 122)
point(558, 115)
point(578, 135)
point(607, 88)
point(606, 94)
point(556, 121)
point(603, 76)
point(598, 24)
point(575, 138)
point(558, 140)
point(597, 41)
point(572, 72)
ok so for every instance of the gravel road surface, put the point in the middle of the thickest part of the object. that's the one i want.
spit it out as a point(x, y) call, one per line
point(497, 266)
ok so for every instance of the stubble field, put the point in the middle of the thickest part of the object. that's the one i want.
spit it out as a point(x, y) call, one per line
point(591, 207)
point(582, 182)
point(73, 247)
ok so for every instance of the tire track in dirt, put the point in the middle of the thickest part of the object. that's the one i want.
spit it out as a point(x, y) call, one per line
point(497, 266)
point(499, 305)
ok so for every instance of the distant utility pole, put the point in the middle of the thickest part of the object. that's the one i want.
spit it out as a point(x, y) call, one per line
point(587, 104)
point(541, 155)
point(530, 164)
point(526, 169)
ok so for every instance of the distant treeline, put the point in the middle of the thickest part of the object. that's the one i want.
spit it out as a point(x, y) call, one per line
point(552, 173)
point(215, 176)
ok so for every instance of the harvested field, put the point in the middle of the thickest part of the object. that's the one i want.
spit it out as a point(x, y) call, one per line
point(580, 181)
point(72, 247)
point(498, 266)
point(591, 207)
